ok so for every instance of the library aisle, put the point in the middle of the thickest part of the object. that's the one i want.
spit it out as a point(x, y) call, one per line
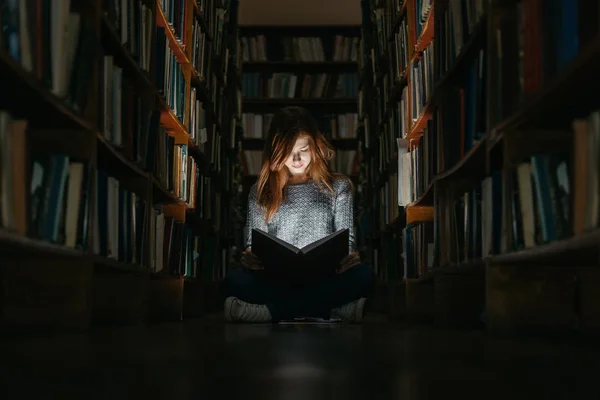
point(209, 359)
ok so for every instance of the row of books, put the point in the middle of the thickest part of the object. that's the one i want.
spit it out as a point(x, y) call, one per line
point(334, 126)
point(345, 162)
point(197, 126)
point(540, 199)
point(120, 219)
point(288, 85)
point(387, 258)
point(131, 124)
point(170, 80)
point(252, 162)
point(176, 248)
point(457, 124)
point(200, 54)
point(534, 43)
point(60, 184)
point(342, 126)
point(176, 12)
point(401, 51)
point(299, 49)
point(50, 48)
point(134, 23)
point(387, 200)
point(127, 120)
point(57, 207)
point(383, 22)
point(422, 10)
point(421, 79)
point(418, 249)
point(456, 24)
point(256, 126)
point(13, 167)
point(211, 10)
point(396, 126)
point(60, 212)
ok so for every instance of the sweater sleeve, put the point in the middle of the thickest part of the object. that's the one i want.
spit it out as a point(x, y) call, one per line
point(343, 215)
point(255, 218)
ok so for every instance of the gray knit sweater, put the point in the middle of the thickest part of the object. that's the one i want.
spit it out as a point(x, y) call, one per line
point(308, 214)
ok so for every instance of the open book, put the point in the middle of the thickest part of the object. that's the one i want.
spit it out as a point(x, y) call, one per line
point(316, 260)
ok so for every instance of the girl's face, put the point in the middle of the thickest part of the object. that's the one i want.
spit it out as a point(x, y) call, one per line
point(300, 157)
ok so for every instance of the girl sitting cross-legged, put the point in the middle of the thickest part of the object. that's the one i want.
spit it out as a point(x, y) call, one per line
point(299, 200)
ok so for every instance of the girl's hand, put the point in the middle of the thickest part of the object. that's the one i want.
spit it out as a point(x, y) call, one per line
point(250, 261)
point(348, 262)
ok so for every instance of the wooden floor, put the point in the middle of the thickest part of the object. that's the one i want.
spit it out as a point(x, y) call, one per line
point(213, 360)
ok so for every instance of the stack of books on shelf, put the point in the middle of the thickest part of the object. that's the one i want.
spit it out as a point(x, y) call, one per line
point(114, 138)
point(309, 86)
point(470, 187)
point(299, 49)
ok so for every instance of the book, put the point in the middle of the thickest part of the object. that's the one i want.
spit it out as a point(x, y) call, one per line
point(319, 259)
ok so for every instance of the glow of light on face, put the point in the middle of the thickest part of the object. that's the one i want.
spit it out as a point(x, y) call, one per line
point(299, 158)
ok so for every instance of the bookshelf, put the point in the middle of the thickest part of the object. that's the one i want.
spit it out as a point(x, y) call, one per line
point(489, 145)
point(319, 67)
point(117, 173)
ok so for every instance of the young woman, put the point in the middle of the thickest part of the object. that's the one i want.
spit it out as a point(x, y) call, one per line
point(298, 200)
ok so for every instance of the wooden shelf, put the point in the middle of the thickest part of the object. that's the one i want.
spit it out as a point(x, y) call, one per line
point(111, 263)
point(473, 161)
point(274, 104)
point(169, 120)
point(13, 243)
point(397, 21)
point(473, 164)
point(200, 17)
point(174, 44)
point(417, 127)
point(396, 225)
point(199, 225)
point(426, 198)
point(396, 92)
point(114, 161)
point(201, 89)
point(301, 66)
point(427, 277)
point(416, 214)
point(580, 249)
point(548, 106)
point(124, 58)
point(472, 44)
point(161, 194)
point(427, 32)
point(31, 99)
point(476, 267)
point(469, 267)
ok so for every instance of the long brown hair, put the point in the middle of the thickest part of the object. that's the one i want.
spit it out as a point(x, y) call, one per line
point(286, 127)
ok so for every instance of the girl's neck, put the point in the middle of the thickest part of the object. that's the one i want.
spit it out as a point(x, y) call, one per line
point(298, 179)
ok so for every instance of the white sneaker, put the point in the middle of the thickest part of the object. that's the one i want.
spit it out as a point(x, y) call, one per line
point(240, 311)
point(351, 312)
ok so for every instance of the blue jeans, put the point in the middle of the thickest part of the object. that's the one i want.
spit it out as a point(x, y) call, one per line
point(287, 301)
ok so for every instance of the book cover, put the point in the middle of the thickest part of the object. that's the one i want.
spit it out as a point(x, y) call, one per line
point(316, 260)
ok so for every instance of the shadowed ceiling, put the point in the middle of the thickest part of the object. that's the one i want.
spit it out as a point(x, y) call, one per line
point(299, 12)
